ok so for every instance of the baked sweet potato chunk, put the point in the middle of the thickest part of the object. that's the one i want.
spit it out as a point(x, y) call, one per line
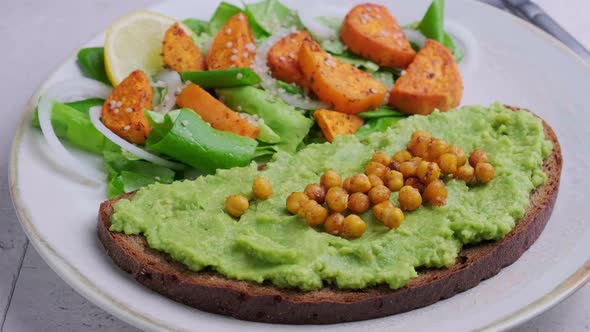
point(283, 58)
point(348, 89)
point(215, 112)
point(431, 82)
point(179, 51)
point(335, 123)
point(372, 32)
point(122, 111)
point(233, 46)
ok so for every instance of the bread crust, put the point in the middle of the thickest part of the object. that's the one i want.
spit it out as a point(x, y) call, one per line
point(210, 291)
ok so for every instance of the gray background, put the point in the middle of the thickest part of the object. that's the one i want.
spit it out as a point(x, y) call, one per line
point(38, 35)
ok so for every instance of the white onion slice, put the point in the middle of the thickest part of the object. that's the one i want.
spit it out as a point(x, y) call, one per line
point(131, 148)
point(173, 83)
point(415, 36)
point(67, 91)
point(270, 84)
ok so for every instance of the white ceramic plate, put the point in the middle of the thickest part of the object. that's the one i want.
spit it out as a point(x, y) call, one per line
point(506, 60)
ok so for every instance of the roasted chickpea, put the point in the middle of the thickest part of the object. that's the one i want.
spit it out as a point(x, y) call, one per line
point(393, 217)
point(448, 163)
point(359, 183)
point(262, 187)
point(334, 223)
point(409, 168)
point(409, 198)
point(353, 226)
point(402, 156)
point(358, 202)
point(295, 200)
point(316, 192)
point(437, 148)
point(460, 153)
point(427, 171)
point(313, 213)
point(379, 194)
point(436, 193)
point(331, 179)
point(337, 199)
point(484, 172)
point(416, 183)
point(418, 146)
point(236, 205)
point(376, 168)
point(394, 180)
point(465, 173)
point(477, 156)
point(380, 209)
point(382, 158)
point(375, 180)
point(346, 184)
point(394, 165)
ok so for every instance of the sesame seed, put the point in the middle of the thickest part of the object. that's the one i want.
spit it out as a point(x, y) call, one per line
point(403, 72)
point(232, 66)
point(116, 110)
point(157, 178)
point(119, 104)
point(281, 58)
point(229, 44)
point(129, 110)
point(240, 76)
point(372, 90)
point(239, 108)
point(228, 31)
point(127, 127)
point(251, 47)
point(184, 123)
point(241, 17)
point(113, 103)
point(233, 58)
point(245, 54)
point(292, 55)
point(234, 51)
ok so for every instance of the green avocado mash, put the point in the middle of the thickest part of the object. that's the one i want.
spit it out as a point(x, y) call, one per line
point(186, 219)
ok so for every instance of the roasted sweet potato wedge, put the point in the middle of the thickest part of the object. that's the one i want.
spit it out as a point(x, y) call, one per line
point(233, 46)
point(283, 58)
point(335, 123)
point(179, 51)
point(431, 82)
point(372, 32)
point(122, 111)
point(215, 112)
point(346, 88)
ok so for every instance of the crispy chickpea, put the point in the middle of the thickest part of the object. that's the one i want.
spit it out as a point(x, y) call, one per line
point(465, 173)
point(313, 213)
point(437, 148)
point(380, 209)
point(358, 202)
point(262, 187)
point(334, 223)
point(376, 168)
point(414, 182)
point(316, 192)
point(379, 194)
point(460, 153)
point(346, 184)
point(394, 180)
point(337, 199)
point(353, 226)
point(477, 156)
point(418, 146)
point(448, 163)
point(295, 200)
point(236, 205)
point(331, 179)
point(359, 183)
point(436, 193)
point(409, 198)
point(484, 172)
point(394, 165)
point(393, 217)
point(375, 180)
point(401, 156)
point(427, 171)
point(382, 158)
point(409, 168)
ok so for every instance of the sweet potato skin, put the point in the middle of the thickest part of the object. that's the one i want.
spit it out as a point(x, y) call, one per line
point(283, 58)
point(348, 89)
point(372, 32)
point(335, 123)
point(432, 81)
point(233, 46)
point(179, 51)
point(215, 112)
point(122, 112)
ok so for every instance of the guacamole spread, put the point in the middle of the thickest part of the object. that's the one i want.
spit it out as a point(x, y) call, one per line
point(186, 219)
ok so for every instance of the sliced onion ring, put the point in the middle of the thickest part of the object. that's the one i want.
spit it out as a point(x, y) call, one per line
point(173, 82)
point(415, 36)
point(67, 91)
point(131, 148)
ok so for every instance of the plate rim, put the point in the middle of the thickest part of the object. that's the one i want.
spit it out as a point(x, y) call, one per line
point(75, 279)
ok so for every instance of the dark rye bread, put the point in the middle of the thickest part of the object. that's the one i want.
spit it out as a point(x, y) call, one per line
point(210, 291)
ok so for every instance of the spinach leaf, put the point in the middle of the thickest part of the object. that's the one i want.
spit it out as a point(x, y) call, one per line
point(91, 61)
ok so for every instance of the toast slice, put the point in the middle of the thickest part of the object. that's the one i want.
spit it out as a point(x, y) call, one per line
point(210, 291)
